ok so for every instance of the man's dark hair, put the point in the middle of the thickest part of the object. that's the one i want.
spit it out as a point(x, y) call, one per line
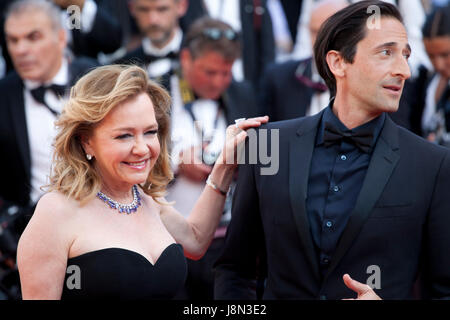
point(342, 32)
point(207, 34)
point(437, 23)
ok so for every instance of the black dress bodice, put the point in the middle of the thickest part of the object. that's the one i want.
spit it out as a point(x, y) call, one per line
point(117, 273)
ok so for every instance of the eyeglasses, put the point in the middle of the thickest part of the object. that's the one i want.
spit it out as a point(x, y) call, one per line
point(216, 34)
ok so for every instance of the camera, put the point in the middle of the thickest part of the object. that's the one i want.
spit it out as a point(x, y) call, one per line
point(209, 157)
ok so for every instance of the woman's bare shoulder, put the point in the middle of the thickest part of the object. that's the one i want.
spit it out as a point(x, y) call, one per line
point(56, 204)
point(44, 245)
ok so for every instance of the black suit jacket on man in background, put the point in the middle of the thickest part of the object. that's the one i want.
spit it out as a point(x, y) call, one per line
point(282, 96)
point(105, 36)
point(239, 101)
point(399, 222)
point(14, 144)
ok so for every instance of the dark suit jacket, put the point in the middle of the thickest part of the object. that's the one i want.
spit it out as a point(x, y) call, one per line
point(292, 11)
point(258, 44)
point(105, 36)
point(399, 223)
point(239, 102)
point(281, 95)
point(14, 144)
point(135, 56)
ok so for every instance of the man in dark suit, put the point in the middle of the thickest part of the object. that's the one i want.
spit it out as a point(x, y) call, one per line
point(32, 97)
point(205, 102)
point(158, 22)
point(355, 194)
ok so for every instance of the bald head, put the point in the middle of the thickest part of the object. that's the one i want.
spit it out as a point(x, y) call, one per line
point(321, 11)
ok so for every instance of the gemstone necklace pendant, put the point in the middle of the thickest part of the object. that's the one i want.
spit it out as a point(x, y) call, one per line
point(122, 208)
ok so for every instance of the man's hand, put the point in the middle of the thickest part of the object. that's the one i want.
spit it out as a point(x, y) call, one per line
point(363, 290)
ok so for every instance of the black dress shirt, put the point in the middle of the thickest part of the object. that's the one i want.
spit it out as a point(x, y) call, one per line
point(336, 176)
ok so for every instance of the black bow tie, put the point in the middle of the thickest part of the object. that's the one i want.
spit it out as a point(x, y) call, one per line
point(39, 93)
point(362, 138)
point(149, 58)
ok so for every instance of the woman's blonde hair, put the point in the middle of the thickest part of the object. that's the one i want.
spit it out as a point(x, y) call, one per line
point(91, 99)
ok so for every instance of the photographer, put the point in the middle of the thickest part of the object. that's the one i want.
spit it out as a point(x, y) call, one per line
point(205, 101)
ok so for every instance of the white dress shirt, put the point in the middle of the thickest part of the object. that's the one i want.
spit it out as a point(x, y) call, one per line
point(184, 135)
point(282, 35)
point(41, 130)
point(162, 66)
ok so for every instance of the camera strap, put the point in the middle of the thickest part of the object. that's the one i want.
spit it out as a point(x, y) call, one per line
point(189, 99)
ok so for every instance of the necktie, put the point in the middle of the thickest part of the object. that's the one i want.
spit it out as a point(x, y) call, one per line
point(39, 94)
point(362, 138)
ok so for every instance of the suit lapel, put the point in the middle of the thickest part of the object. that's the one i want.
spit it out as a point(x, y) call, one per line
point(78, 68)
point(301, 147)
point(384, 160)
point(16, 106)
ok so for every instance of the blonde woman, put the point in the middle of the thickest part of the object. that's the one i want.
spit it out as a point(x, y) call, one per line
point(104, 229)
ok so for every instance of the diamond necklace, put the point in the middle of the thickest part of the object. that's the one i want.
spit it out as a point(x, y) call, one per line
point(125, 208)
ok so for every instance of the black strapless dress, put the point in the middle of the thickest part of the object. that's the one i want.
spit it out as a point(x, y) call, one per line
point(116, 273)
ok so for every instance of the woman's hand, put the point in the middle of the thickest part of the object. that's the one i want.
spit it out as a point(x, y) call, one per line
point(235, 136)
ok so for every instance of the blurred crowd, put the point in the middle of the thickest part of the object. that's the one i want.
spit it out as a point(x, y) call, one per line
point(220, 60)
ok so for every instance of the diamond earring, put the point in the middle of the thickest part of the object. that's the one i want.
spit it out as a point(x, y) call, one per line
point(88, 156)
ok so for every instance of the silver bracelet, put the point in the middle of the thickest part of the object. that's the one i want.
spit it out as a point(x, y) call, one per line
point(216, 188)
